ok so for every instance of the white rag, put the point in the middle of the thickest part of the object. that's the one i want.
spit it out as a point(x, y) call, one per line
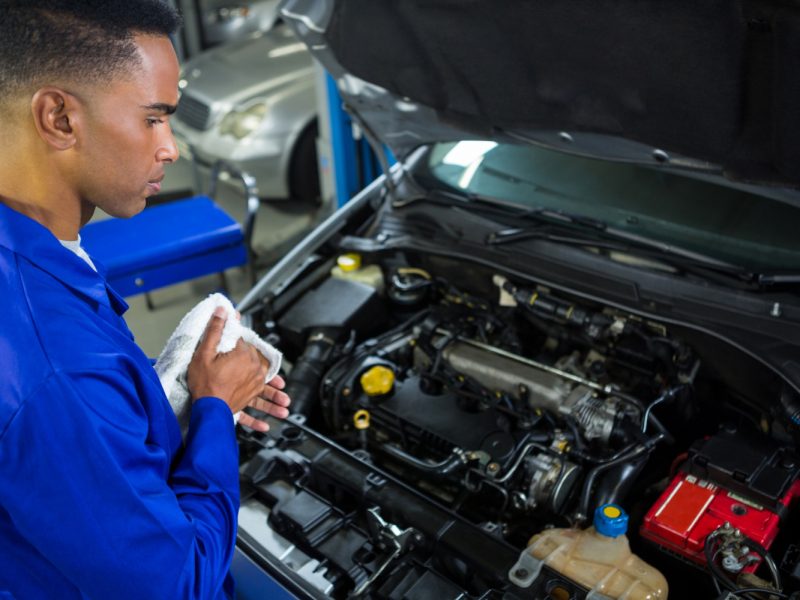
point(174, 360)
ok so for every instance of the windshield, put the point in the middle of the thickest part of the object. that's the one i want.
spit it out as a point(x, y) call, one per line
point(740, 227)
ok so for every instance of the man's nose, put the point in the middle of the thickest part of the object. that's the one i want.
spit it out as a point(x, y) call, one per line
point(168, 150)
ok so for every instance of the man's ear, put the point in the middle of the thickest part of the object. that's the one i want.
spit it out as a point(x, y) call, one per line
point(56, 114)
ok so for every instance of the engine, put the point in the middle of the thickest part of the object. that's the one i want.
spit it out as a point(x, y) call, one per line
point(465, 418)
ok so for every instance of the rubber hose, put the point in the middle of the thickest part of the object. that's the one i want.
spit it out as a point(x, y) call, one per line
point(586, 493)
point(448, 466)
point(616, 485)
point(303, 381)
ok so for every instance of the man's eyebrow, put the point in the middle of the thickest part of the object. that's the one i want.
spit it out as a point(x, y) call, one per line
point(167, 109)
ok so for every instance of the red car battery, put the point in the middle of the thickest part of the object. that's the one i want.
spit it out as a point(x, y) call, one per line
point(691, 508)
point(727, 478)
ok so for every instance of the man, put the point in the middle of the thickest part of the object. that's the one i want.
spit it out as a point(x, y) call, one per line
point(99, 498)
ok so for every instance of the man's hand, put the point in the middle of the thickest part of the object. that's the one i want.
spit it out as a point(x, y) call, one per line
point(236, 377)
point(271, 401)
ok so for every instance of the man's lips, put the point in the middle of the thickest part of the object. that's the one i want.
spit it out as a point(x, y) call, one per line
point(154, 186)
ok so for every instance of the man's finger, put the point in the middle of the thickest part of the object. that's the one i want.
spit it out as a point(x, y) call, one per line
point(277, 382)
point(270, 408)
point(213, 333)
point(253, 423)
point(277, 396)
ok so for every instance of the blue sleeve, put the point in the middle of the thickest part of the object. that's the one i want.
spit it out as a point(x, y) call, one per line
point(102, 502)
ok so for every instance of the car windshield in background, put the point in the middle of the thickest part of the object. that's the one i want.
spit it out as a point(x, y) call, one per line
point(740, 227)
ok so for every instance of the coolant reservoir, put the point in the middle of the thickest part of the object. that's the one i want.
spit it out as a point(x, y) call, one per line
point(598, 558)
point(348, 266)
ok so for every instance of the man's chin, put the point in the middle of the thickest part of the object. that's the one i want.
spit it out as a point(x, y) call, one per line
point(127, 210)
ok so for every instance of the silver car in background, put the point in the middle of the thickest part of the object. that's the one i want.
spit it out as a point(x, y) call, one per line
point(252, 103)
point(227, 20)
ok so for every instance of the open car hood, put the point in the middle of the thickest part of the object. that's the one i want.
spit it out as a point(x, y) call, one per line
point(709, 85)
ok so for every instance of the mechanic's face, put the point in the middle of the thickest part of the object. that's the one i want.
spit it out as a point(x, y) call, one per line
point(128, 139)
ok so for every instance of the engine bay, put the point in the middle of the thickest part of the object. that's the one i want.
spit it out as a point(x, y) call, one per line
point(457, 432)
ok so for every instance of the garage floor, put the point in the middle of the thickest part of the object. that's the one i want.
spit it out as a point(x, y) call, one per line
point(278, 227)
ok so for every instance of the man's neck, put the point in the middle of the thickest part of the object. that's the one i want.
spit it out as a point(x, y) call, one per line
point(59, 225)
point(36, 190)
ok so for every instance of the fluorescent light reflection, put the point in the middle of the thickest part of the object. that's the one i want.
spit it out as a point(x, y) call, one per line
point(286, 50)
point(464, 154)
point(468, 154)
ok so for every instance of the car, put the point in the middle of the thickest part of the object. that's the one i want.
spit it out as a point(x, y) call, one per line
point(554, 351)
point(224, 21)
point(252, 104)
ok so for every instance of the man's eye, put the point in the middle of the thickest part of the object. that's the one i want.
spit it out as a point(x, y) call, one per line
point(154, 121)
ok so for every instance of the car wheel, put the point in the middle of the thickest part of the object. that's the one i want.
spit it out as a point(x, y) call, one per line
point(304, 169)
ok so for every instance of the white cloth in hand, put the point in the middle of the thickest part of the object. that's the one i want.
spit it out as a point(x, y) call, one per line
point(174, 360)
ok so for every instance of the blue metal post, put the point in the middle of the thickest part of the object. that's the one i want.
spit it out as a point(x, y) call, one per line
point(345, 163)
point(354, 163)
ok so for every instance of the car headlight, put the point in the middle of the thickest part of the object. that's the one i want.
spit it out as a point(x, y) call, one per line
point(242, 123)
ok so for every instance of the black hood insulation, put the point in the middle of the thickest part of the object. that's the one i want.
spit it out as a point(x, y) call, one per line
point(715, 80)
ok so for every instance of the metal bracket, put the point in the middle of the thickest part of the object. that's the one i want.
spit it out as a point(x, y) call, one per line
point(525, 570)
point(390, 538)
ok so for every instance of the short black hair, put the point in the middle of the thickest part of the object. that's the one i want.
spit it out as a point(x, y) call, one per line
point(85, 40)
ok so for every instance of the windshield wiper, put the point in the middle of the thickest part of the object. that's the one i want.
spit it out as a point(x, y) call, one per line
point(548, 215)
point(601, 229)
point(775, 279)
point(597, 234)
point(555, 225)
point(560, 226)
point(544, 216)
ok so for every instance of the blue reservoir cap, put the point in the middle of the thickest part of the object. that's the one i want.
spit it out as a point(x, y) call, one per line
point(610, 520)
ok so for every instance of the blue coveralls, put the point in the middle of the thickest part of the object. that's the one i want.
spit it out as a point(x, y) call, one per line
point(98, 497)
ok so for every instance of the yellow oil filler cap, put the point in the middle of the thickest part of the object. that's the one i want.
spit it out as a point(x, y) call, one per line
point(377, 381)
point(349, 262)
point(361, 419)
